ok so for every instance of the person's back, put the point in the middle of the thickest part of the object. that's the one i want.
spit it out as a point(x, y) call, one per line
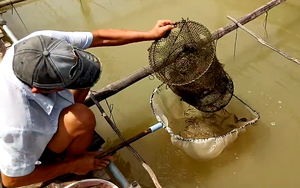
point(44, 79)
point(28, 120)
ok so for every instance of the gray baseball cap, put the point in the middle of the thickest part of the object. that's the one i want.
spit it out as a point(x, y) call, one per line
point(51, 63)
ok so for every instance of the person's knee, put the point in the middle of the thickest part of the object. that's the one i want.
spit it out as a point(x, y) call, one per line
point(81, 117)
point(75, 122)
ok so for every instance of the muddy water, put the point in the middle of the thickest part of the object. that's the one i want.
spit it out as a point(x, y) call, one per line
point(267, 155)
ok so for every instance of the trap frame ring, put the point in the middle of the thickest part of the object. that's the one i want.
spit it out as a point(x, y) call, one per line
point(180, 138)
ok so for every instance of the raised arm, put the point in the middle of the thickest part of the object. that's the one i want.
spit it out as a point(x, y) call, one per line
point(115, 37)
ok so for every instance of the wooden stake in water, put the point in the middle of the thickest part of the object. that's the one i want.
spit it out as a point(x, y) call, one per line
point(260, 40)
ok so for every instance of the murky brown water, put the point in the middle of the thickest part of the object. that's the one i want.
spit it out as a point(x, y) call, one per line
point(267, 155)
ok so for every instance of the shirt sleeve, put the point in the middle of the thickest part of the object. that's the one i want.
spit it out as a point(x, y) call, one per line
point(79, 39)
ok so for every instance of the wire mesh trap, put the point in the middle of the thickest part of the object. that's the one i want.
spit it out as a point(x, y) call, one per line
point(200, 135)
point(184, 55)
point(186, 61)
point(195, 103)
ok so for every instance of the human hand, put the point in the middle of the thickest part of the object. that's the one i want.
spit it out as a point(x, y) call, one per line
point(87, 163)
point(161, 28)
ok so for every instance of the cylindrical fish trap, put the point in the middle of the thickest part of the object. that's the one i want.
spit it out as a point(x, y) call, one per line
point(186, 61)
point(211, 92)
point(200, 135)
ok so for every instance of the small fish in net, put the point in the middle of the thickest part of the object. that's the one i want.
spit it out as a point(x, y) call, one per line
point(209, 125)
point(200, 135)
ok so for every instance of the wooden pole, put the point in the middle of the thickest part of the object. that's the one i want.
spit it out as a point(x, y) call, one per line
point(130, 148)
point(111, 151)
point(247, 18)
point(125, 82)
point(9, 2)
point(119, 85)
point(260, 40)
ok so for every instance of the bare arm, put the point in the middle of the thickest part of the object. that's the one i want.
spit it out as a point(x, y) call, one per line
point(40, 174)
point(114, 37)
point(80, 166)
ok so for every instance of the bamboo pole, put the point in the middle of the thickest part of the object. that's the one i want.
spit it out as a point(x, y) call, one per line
point(110, 151)
point(9, 2)
point(125, 82)
point(130, 148)
point(247, 18)
point(119, 85)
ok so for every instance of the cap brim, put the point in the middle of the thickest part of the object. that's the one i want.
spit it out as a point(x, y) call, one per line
point(89, 71)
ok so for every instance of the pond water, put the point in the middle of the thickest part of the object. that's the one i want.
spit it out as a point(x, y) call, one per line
point(266, 155)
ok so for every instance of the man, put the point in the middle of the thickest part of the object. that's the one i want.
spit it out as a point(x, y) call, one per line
point(44, 79)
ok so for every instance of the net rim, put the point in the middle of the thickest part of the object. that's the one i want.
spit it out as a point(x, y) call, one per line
point(178, 137)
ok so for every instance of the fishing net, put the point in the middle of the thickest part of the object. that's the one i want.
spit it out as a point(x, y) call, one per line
point(196, 103)
point(200, 135)
point(186, 61)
